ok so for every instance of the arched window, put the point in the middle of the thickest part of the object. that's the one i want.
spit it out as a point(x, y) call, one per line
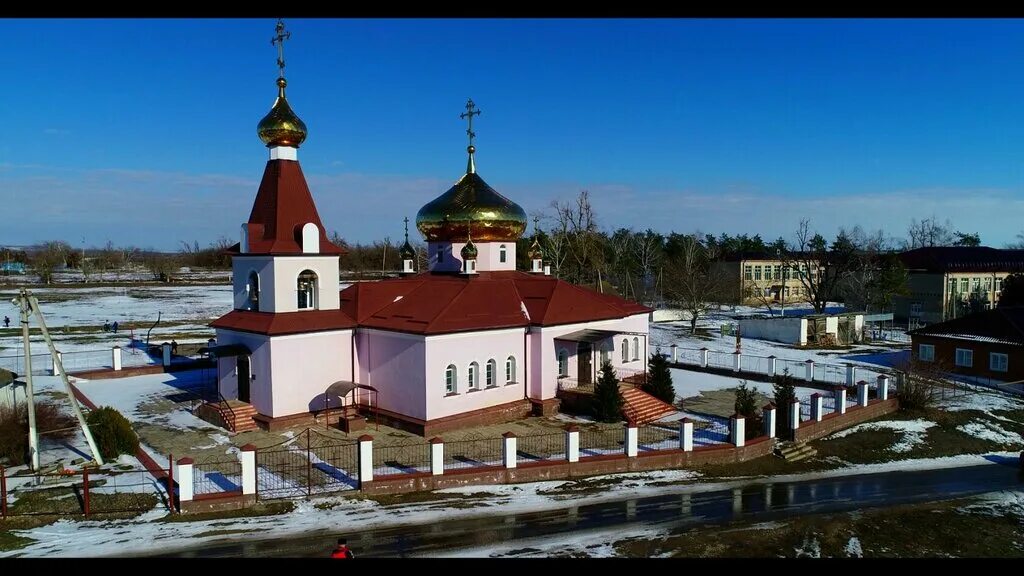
point(563, 363)
point(306, 289)
point(636, 348)
point(606, 355)
point(492, 367)
point(625, 350)
point(510, 370)
point(253, 288)
point(501, 254)
point(450, 379)
point(473, 375)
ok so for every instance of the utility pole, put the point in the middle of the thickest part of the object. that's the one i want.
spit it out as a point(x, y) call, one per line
point(33, 437)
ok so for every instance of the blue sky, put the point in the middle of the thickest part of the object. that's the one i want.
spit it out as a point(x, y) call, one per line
point(143, 131)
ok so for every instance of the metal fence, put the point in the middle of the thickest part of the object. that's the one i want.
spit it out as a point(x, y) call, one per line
point(308, 464)
point(42, 364)
point(710, 430)
point(653, 437)
point(540, 447)
point(86, 492)
point(405, 458)
point(473, 453)
point(217, 474)
point(723, 360)
point(602, 441)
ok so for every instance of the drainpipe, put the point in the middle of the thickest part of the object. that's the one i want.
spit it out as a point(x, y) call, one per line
point(526, 367)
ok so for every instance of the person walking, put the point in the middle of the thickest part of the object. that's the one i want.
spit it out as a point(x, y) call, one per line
point(115, 326)
point(342, 550)
point(7, 322)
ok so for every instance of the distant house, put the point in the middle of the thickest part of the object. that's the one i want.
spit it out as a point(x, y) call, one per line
point(756, 277)
point(989, 344)
point(807, 330)
point(945, 282)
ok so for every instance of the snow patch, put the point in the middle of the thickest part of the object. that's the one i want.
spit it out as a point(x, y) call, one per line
point(912, 431)
point(853, 548)
point(990, 431)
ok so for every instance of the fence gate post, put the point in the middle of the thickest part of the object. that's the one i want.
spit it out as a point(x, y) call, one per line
point(85, 490)
point(248, 460)
point(309, 468)
point(851, 374)
point(703, 357)
point(771, 365)
point(631, 440)
point(862, 393)
point(883, 387)
point(572, 443)
point(794, 415)
point(737, 430)
point(509, 449)
point(675, 354)
point(810, 370)
point(840, 394)
point(816, 407)
point(769, 420)
point(115, 357)
point(686, 435)
point(736, 361)
point(167, 353)
point(185, 488)
point(170, 482)
point(365, 459)
point(436, 456)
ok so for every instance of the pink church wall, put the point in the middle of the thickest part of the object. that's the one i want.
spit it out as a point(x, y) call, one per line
point(259, 364)
point(393, 363)
point(544, 374)
point(461, 350)
point(304, 366)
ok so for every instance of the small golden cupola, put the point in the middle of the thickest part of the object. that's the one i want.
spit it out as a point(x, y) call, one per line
point(469, 251)
point(536, 254)
point(407, 253)
point(281, 127)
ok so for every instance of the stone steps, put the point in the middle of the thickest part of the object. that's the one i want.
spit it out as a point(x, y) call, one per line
point(643, 408)
point(240, 417)
point(794, 451)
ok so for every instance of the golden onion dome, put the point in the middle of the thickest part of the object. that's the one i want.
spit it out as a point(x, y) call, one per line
point(281, 127)
point(469, 251)
point(495, 218)
point(407, 252)
point(536, 253)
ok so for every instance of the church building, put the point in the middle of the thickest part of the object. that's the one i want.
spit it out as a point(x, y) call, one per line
point(468, 341)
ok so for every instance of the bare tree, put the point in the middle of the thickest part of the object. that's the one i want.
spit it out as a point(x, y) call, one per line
point(647, 250)
point(690, 282)
point(929, 232)
point(820, 268)
point(578, 224)
point(46, 258)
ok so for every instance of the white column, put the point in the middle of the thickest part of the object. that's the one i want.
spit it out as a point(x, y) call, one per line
point(703, 357)
point(737, 430)
point(851, 374)
point(436, 456)
point(810, 371)
point(771, 365)
point(248, 459)
point(686, 435)
point(675, 353)
point(365, 458)
point(840, 394)
point(794, 415)
point(183, 474)
point(509, 449)
point(631, 441)
point(572, 443)
point(736, 361)
point(862, 393)
point(167, 353)
point(816, 407)
point(53, 363)
point(883, 386)
point(769, 420)
point(115, 357)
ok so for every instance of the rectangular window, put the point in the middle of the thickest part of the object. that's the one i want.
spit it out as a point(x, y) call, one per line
point(786, 273)
point(998, 362)
point(964, 285)
point(999, 284)
point(778, 272)
point(926, 352)
point(757, 272)
point(748, 272)
point(440, 254)
point(988, 284)
point(964, 357)
point(767, 272)
point(785, 291)
point(975, 284)
point(952, 285)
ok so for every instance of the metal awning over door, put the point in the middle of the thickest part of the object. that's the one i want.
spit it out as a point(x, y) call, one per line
point(590, 336)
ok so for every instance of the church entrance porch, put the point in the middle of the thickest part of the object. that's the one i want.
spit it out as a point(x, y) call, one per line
point(244, 377)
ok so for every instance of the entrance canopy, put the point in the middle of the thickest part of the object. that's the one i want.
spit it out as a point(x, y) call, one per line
point(343, 387)
point(227, 350)
point(588, 336)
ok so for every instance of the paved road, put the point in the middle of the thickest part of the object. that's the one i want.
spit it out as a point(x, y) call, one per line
point(757, 501)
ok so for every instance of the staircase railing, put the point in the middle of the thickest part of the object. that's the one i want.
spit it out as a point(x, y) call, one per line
point(234, 417)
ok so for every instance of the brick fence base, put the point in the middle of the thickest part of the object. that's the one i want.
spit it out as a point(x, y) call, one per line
point(854, 415)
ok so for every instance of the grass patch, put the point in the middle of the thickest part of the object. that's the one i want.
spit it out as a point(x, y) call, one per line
point(262, 509)
point(10, 541)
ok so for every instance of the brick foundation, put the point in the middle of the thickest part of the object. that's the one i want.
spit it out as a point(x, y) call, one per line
point(854, 415)
point(499, 414)
point(220, 501)
point(547, 407)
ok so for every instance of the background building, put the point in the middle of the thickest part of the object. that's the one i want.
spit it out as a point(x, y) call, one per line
point(758, 277)
point(987, 344)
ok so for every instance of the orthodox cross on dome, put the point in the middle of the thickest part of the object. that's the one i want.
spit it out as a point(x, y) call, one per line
point(471, 110)
point(535, 226)
point(406, 228)
point(278, 40)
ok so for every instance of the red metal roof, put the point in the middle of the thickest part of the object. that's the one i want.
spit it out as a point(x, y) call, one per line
point(281, 323)
point(283, 205)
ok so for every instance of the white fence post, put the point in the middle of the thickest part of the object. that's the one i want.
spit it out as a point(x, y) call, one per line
point(675, 354)
point(810, 370)
point(686, 435)
point(840, 395)
point(247, 457)
point(737, 430)
point(572, 443)
point(862, 393)
point(883, 386)
point(631, 440)
point(115, 357)
point(816, 407)
point(794, 415)
point(736, 361)
point(183, 474)
point(851, 374)
point(703, 357)
point(365, 458)
point(769, 420)
point(167, 353)
point(508, 451)
point(54, 368)
point(771, 364)
point(436, 456)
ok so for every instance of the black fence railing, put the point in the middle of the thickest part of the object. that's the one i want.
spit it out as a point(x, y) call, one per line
point(92, 492)
point(217, 475)
point(653, 437)
point(602, 441)
point(473, 453)
point(406, 458)
point(540, 447)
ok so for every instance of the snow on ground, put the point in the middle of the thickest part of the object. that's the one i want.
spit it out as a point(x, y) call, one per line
point(597, 543)
point(853, 549)
point(991, 431)
point(688, 383)
point(998, 504)
point(986, 402)
point(912, 432)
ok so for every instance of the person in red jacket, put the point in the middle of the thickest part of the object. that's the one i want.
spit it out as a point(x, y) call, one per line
point(342, 550)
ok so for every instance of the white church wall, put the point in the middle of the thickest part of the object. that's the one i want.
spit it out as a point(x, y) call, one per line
point(393, 363)
point(240, 269)
point(463, 349)
point(259, 365)
point(284, 297)
point(304, 366)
